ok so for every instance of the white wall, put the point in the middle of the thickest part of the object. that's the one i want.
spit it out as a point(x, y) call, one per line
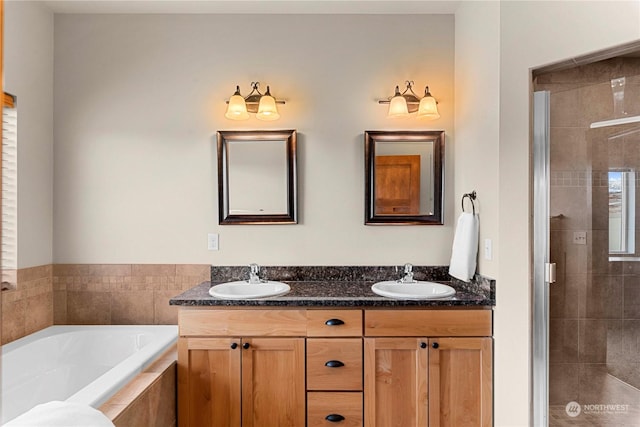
point(531, 34)
point(28, 74)
point(477, 115)
point(138, 99)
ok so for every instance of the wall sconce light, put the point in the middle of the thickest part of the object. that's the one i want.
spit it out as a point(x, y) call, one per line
point(402, 104)
point(263, 105)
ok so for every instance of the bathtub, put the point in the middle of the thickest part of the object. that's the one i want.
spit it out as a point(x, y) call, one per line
point(83, 364)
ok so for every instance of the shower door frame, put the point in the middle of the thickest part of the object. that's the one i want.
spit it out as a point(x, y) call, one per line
point(540, 324)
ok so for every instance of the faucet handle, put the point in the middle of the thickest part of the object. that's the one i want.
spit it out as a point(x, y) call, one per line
point(254, 268)
point(408, 268)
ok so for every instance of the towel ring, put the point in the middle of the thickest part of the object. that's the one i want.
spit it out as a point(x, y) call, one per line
point(472, 197)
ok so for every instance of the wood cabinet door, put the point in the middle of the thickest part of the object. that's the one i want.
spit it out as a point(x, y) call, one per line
point(273, 382)
point(209, 382)
point(397, 185)
point(395, 382)
point(460, 382)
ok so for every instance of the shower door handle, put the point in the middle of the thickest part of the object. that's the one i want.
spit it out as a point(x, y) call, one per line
point(550, 272)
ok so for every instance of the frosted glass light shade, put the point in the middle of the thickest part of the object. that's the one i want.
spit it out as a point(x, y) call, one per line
point(267, 108)
point(398, 107)
point(237, 109)
point(428, 108)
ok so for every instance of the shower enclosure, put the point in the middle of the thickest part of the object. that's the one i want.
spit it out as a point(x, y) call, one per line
point(586, 186)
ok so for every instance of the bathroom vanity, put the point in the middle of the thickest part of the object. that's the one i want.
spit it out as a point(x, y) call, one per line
point(331, 352)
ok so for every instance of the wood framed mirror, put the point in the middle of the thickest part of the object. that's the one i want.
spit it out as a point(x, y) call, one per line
point(257, 177)
point(404, 177)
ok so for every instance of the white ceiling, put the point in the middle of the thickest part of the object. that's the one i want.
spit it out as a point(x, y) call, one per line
point(255, 6)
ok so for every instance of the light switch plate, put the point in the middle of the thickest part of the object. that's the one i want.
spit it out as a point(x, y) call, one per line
point(488, 249)
point(212, 241)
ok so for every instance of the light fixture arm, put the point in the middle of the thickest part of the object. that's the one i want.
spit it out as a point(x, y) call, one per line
point(413, 100)
point(262, 105)
point(252, 100)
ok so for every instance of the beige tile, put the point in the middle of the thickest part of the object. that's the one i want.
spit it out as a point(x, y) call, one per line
point(34, 273)
point(59, 307)
point(38, 313)
point(599, 208)
point(13, 315)
point(599, 258)
point(164, 314)
point(569, 149)
point(596, 102)
point(564, 380)
point(88, 308)
point(153, 270)
point(603, 297)
point(565, 294)
point(572, 202)
point(598, 338)
point(110, 269)
point(71, 269)
point(132, 308)
point(631, 297)
point(566, 108)
point(196, 270)
point(563, 341)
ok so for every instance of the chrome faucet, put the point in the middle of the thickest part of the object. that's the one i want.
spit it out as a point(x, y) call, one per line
point(254, 274)
point(408, 274)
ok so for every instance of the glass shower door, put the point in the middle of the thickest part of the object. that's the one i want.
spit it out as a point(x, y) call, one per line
point(593, 239)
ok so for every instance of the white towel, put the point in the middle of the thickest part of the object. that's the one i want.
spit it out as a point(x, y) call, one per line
point(61, 414)
point(465, 247)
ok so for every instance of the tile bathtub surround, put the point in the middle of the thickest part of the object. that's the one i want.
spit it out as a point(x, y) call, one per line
point(149, 400)
point(30, 307)
point(115, 294)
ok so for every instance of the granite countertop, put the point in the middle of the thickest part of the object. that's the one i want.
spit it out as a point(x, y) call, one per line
point(329, 294)
point(339, 286)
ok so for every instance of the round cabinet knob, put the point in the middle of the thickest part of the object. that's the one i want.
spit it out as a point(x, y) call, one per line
point(234, 345)
point(334, 418)
point(246, 345)
point(334, 364)
point(435, 345)
point(423, 345)
point(334, 322)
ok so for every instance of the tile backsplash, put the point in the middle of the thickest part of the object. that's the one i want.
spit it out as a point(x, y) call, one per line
point(95, 294)
point(29, 307)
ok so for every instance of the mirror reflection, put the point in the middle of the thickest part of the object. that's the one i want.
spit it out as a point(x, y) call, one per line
point(403, 177)
point(257, 177)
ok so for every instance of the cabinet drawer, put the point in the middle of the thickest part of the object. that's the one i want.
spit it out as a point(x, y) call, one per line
point(334, 323)
point(345, 354)
point(280, 323)
point(320, 405)
point(427, 323)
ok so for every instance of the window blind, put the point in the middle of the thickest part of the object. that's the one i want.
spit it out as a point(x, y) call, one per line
point(9, 252)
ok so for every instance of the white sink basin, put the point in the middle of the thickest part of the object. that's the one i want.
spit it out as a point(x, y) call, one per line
point(416, 290)
point(245, 290)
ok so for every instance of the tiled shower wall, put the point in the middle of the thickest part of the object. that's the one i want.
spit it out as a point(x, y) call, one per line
point(95, 294)
point(595, 303)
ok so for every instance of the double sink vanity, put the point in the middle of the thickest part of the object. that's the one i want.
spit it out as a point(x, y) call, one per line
point(335, 346)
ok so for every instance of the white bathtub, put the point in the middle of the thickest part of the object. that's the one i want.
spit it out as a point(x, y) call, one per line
point(83, 364)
